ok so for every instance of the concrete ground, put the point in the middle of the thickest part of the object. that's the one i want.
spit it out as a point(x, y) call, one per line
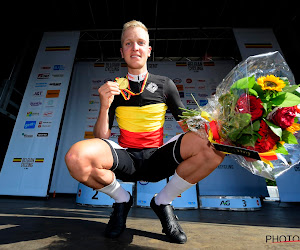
point(59, 223)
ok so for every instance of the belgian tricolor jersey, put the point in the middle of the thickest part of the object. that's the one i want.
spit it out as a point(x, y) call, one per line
point(141, 118)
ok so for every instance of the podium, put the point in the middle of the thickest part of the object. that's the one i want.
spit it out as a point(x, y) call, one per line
point(146, 190)
point(86, 196)
point(288, 185)
point(187, 200)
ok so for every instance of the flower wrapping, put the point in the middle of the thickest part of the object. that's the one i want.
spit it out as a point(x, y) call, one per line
point(256, 107)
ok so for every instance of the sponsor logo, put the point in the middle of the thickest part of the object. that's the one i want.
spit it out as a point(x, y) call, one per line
point(179, 87)
point(58, 75)
point(52, 93)
point(44, 124)
point(50, 104)
point(96, 81)
point(189, 87)
point(30, 114)
point(88, 135)
point(203, 102)
point(202, 95)
point(94, 102)
point(201, 87)
point(58, 67)
point(43, 76)
point(177, 80)
point(152, 65)
point(55, 84)
point(42, 134)
point(48, 114)
point(152, 87)
point(25, 135)
point(225, 203)
point(29, 124)
point(190, 102)
point(189, 80)
point(45, 67)
point(28, 162)
point(38, 93)
point(35, 104)
point(93, 110)
point(94, 87)
point(41, 84)
point(168, 126)
point(226, 166)
point(195, 66)
point(112, 67)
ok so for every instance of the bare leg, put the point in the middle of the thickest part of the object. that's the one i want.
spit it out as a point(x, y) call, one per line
point(89, 162)
point(200, 158)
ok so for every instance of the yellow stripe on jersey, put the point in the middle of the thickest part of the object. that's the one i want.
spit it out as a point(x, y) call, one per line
point(141, 119)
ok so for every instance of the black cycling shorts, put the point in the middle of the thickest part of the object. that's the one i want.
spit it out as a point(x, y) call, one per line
point(149, 164)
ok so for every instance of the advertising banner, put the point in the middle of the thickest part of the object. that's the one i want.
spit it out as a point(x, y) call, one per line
point(28, 161)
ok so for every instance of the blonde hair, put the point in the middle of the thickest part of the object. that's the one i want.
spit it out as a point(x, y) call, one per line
point(133, 24)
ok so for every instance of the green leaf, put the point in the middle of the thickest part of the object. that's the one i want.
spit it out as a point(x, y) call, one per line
point(281, 149)
point(288, 137)
point(256, 125)
point(258, 90)
point(237, 124)
point(286, 100)
point(276, 129)
point(253, 92)
point(290, 88)
point(244, 83)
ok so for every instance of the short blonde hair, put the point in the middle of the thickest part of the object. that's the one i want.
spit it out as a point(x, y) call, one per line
point(133, 24)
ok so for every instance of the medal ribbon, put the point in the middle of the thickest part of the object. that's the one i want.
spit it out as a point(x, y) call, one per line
point(127, 93)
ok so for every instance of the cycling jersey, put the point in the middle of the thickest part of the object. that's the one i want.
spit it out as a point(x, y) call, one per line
point(141, 118)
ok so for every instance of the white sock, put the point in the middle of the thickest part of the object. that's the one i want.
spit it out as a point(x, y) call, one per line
point(174, 188)
point(116, 191)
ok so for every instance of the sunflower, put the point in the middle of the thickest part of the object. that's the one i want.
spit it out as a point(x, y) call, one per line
point(271, 82)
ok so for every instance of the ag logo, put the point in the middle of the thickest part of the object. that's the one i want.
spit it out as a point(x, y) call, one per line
point(225, 203)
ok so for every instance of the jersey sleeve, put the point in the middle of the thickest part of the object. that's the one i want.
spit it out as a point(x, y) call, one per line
point(173, 100)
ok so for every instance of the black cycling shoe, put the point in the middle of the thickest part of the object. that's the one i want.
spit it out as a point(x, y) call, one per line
point(169, 222)
point(117, 221)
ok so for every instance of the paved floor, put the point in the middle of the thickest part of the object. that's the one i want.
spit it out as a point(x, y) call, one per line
point(58, 223)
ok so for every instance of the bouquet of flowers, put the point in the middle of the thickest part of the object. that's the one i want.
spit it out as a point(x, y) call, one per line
point(255, 108)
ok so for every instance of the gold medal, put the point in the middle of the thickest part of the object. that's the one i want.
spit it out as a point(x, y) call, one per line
point(123, 83)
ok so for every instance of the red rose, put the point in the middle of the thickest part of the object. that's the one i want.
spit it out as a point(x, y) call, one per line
point(251, 105)
point(268, 138)
point(284, 117)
